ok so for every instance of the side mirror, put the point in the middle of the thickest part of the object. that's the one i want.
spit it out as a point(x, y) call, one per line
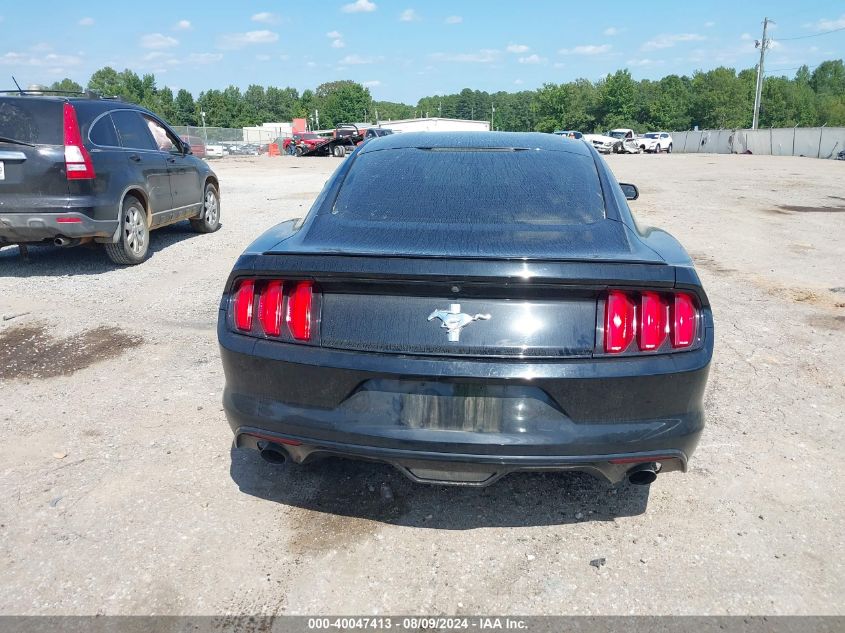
point(186, 148)
point(631, 192)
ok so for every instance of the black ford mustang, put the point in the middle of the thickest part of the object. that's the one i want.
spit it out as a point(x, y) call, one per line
point(463, 306)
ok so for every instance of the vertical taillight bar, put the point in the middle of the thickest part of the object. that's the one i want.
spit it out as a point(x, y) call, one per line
point(653, 321)
point(270, 308)
point(242, 305)
point(298, 315)
point(684, 318)
point(620, 323)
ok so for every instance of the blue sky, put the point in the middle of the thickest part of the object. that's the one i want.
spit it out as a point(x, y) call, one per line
point(406, 49)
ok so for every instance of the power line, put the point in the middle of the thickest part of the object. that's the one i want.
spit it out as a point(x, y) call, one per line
point(778, 70)
point(802, 37)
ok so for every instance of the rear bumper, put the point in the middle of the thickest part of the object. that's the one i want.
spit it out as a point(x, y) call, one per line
point(443, 420)
point(35, 226)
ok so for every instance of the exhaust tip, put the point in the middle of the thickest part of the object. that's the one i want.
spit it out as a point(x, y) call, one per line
point(273, 454)
point(643, 475)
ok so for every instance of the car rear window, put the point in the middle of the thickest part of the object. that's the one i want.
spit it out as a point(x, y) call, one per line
point(31, 120)
point(472, 186)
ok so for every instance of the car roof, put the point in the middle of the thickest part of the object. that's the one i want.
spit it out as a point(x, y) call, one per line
point(498, 140)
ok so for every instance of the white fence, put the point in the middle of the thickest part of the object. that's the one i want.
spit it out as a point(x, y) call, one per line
point(816, 142)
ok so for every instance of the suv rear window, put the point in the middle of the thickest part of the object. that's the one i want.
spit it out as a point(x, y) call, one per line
point(31, 120)
point(472, 186)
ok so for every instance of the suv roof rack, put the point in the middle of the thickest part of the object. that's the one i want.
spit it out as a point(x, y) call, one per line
point(88, 94)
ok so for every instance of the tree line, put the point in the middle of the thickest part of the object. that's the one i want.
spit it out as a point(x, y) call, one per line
point(713, 99)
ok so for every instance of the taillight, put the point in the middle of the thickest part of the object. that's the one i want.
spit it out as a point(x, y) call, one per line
point(650, 317)
point(275, 298)
point(242, 305)
point(299, 311)
point(78, 165)
point(683, 321)
point(653, 321)
point(270, 308)
point(619, 323)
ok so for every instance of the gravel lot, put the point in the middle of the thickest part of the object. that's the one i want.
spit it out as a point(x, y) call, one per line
point(120, 493)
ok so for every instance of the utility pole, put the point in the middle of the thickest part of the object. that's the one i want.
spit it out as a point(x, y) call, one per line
point(317, 117)
point(440, 109)
point(763, 45)
point(492, 115)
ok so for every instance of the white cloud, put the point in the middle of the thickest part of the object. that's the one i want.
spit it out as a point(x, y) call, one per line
point(239, 40)
point(373, 83)
point(559, 65)
point(359, 6)
point(517, 48)
point(829, 25)
point(668, 41)
point(53, 60)
point(518, 82)
point(182, 25)
point(533, 59)
point(709, 25)
point(86, 22)
point(262, 58)
point(203, 58)
point(586, 49)
point(158, 40)
point(643, 62)
point(337, 39)
point(409, 15)
point(454, 19)
point(484, 56)
point(356, 60)
point(265, 17)
point(745, 36)
point(611, 31)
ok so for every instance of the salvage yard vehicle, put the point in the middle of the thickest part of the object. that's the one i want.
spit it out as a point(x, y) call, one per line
point(214, 150)
point(466, 305)
point(306, 140)
point(656, 142)
point(83, 169)
point(620, 141)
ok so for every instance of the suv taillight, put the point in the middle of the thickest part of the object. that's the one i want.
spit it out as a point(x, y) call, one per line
point(275, 297)
point(657, 320)
point(78, 165)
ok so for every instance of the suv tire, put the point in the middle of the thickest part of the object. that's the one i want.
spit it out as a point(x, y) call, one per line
point(209, 219)
point(134, 242)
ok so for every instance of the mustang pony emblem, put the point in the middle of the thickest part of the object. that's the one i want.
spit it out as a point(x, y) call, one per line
point(454, 320)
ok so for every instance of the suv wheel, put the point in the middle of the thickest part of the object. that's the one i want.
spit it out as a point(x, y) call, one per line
point(669, 149)
point(134, 242)
point(209, 220)
point(339, 151)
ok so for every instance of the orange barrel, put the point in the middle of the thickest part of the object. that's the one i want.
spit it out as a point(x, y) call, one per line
point(273, 149)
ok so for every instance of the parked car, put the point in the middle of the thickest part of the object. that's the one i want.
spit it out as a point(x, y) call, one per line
point(655, 142)
point(373, 132)
point(619, 141)
point(308, 139)
point(197, 145)
point(214, 150)
point(76, 170)
point(461, 311)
